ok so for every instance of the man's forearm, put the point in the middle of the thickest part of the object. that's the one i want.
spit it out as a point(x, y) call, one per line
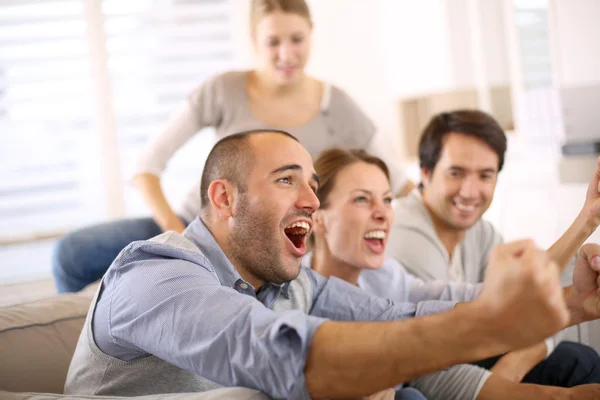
point(516, 364)
point(565, 248)
point(499, 388)
point(351, 359)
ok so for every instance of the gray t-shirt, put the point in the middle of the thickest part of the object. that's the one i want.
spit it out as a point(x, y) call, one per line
point(222, 103)
point(414, 243)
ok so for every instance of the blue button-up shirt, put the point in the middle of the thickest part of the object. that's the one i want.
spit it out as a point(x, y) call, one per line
point(180, 298)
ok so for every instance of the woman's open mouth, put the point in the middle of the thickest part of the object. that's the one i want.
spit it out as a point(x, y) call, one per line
point(375, 240)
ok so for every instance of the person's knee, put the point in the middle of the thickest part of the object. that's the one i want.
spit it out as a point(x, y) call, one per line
point(65, 252)
point(581, 361)
point(578, 352)
point(72, 259)
point(59, 255)
point(587, 356)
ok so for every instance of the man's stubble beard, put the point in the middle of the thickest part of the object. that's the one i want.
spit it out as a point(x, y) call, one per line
point(255, 244)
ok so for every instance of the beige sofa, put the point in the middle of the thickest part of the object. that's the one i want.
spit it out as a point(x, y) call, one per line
point(37, 341)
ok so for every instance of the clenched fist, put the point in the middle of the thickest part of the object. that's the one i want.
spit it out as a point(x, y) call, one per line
point(521, 297)
point(583, 298)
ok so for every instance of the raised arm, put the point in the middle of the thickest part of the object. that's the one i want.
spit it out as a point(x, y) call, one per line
point(348, 359)
point(153, 161)
point(586, 222)
point(294, 355)
point(178, 311)
point(583, 297)
point(394, 282)
point(419, 290)
point(201, 109)
point(152, 193)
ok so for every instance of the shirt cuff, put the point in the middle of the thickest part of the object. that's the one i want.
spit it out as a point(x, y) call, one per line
point(485, 375)
point(299, 390)
point(459, 382)
point(549, 346)
point(433, 307)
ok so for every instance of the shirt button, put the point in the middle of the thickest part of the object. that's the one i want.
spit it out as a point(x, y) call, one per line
point(243, 286)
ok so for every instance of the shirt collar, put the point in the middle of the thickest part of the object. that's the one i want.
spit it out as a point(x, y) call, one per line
point(285, 289)
point(200, 235)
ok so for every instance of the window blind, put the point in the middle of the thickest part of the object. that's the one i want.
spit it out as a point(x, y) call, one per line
point(54, 167)
point(158, 51)
point(45, 117)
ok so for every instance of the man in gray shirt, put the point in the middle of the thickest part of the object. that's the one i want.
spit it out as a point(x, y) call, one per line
point(228, 304)
point(438, 233)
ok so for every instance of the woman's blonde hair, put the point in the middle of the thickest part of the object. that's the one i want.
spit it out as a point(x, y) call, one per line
point(262, 8)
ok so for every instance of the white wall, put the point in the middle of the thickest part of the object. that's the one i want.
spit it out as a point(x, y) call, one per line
point(458, 33)
point(576, 54)
point(496, 57)
point(577, 41)
point(241, 32)
point(417, 48)
point(348, 51)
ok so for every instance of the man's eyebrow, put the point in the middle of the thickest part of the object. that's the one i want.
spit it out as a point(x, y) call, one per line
point(458, 168)
point(369, 192)
point(294, 167)
point(493, 170)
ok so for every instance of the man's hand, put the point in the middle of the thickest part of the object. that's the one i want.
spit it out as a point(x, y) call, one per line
point(583, 298)
point(521, 298)
point(583, 392)
point(591, 207)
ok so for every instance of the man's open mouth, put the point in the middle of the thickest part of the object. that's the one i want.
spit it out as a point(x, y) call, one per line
point(464, 207)
point(297, 233)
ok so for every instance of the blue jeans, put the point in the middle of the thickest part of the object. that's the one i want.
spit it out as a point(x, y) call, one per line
point(408, 394)
point(570, 364)
point(84, 255)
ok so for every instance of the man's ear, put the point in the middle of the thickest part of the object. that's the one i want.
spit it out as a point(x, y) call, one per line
point(318, 223)
point(425, 175)
point(221, 194)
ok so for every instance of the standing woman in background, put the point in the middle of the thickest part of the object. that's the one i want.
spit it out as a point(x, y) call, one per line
point(276, 94)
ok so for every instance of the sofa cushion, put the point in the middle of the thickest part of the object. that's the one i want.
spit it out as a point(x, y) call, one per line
point(217, 394)
point(37, 341)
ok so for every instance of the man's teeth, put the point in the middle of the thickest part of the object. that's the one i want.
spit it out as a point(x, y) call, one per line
point(375, 235)
point(464, 207)
point(300, 224)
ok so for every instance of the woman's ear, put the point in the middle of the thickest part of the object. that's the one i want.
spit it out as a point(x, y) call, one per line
point(221, 194)
point(318, 223)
